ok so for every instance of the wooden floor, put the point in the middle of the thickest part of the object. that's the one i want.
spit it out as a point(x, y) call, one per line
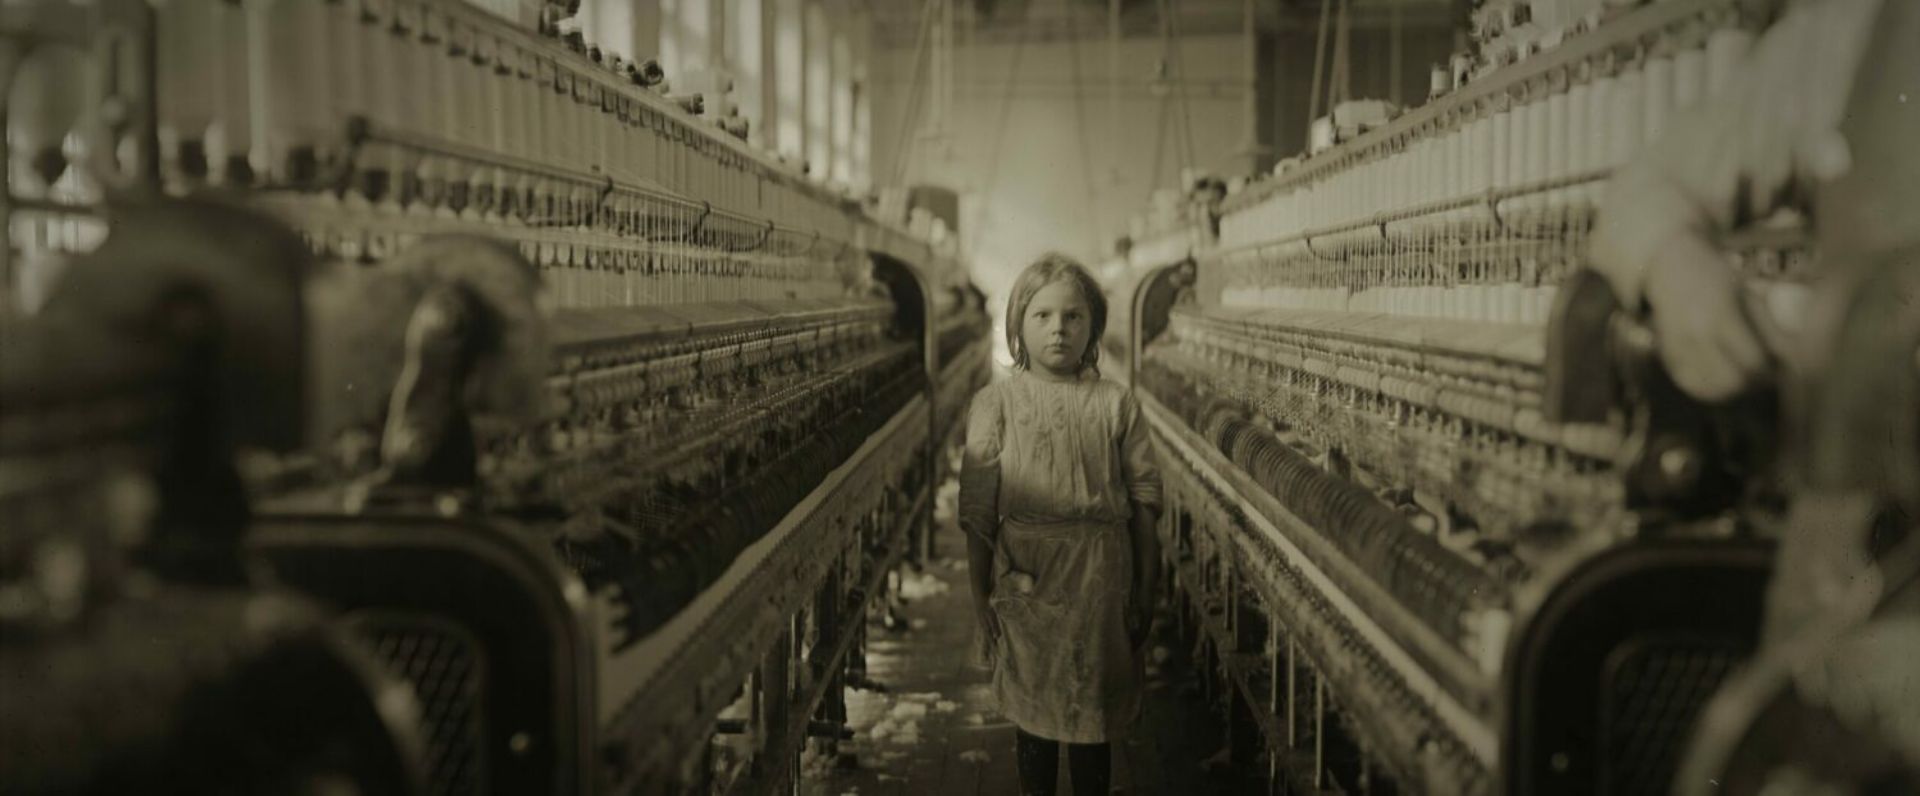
point(933, 730)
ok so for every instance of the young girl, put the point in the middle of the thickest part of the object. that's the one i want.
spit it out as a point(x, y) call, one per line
point(1058, 495)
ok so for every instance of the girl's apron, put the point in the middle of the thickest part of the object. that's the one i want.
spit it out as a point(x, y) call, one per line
point(1063, 665)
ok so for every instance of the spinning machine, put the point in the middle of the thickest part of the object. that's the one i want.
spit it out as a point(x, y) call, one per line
point(555, 434)
point(1438, 520)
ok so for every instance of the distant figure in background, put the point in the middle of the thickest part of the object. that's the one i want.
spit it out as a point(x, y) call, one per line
point(1059, 496)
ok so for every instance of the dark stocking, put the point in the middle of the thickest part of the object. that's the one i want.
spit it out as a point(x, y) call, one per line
point(1039, 762)
point(1091, 767)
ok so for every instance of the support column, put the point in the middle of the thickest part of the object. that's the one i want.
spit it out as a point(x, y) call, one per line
point(841, 94)
point(749, 50)
point(776, 701)
point(611, 24)
point(862, 99)
point(818, 102)
point(646, 34)
point(692, 48)
point(788, 79)
point(832, 710)
point(1255, 153)
point(765, 132)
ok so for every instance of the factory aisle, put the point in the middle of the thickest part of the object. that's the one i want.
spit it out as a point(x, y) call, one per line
point(933, 729)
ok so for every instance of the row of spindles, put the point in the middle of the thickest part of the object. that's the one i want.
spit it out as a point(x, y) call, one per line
point(1510, 302)
point(679, 402)
point(50, 186)
point(1512, 147)
point(664, 259)
point(253, 92)
point(614, 278)
point(473, 121)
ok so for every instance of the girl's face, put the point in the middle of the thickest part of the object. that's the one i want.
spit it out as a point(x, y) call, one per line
point(1056, 328)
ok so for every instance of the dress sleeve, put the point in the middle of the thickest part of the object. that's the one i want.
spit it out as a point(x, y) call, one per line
point(1740, 156)
point(985, 437)
point(1138, 463)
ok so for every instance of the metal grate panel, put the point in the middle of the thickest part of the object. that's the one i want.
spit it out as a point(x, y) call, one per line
point(443, 663)
point(1652, 692)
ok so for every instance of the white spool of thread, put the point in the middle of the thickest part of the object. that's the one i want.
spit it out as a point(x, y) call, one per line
point(1658, 94)
point(1600, 128)
point(1539, 131)
point(1501, 307)
point(1726, 54)
point(1625, 129)
point(187, 59)
point(544, 141)
point(1556, 159)
point(1689, 77)
point(1500, 150)
point(1449, 157)
point(230, 137)
point(1478, 163)
point(1578, 143)
point(1520, 141)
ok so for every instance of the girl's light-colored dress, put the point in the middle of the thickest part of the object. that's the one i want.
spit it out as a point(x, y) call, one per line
point(1049, 474)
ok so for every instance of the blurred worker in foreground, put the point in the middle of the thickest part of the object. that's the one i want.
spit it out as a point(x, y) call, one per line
point(1777, 138)
point(1823, 119)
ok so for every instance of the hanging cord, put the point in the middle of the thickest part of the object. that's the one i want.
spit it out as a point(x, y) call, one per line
point(1159, 149)
point(912, 113)
point(1000, 133)
point(1341, 89)
point(1160, 126)
point(1088, 210)
point(1395, 55)
point(1178, 51)
point(1170, 38)
point(1319, 59)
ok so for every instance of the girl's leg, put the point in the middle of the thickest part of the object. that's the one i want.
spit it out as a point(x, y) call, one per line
point(1091, 767)
point(1039, 763)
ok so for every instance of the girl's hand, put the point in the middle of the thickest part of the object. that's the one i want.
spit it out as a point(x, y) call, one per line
point(989, 621)
point(1139, 620)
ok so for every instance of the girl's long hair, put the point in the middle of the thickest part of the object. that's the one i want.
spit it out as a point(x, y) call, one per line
point(1050, 268)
